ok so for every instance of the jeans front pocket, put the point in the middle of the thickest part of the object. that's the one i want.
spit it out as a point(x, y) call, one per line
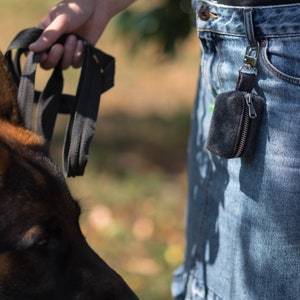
point(281, 56)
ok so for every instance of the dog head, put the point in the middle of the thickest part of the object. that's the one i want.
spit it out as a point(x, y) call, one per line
point(43, 253)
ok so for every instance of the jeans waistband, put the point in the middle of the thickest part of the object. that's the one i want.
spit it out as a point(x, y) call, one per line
point(268, 21)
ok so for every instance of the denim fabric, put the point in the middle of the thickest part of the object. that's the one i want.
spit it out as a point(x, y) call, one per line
point(243, 216)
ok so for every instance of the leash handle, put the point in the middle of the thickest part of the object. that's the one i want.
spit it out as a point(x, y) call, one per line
point(96, 77)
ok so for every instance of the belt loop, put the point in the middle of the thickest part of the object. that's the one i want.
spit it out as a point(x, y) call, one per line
point(252, 50)
point(249, 28)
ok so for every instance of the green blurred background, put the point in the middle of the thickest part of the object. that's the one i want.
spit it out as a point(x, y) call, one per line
point(133, 193)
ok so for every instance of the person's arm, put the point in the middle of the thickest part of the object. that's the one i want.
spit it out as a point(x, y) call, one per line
point(87, 18)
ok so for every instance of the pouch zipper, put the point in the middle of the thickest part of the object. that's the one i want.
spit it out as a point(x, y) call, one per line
point(248, 115)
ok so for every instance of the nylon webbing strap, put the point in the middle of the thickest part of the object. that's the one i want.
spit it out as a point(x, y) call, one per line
point(96, 77)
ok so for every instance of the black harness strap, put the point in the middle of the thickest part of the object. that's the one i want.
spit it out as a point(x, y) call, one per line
point(97, 76)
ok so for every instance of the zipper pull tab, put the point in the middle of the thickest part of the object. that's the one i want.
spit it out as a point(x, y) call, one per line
point(252, 112)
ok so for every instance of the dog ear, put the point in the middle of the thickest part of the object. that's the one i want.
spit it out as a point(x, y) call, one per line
point(4, 161)
point(8, 95)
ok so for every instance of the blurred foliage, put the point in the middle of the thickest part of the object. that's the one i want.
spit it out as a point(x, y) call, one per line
point(165, 24)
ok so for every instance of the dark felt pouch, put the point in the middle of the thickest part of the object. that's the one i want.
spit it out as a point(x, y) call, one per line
point(234, 125)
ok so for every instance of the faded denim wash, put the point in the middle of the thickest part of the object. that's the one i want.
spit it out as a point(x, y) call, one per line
point(243, 216)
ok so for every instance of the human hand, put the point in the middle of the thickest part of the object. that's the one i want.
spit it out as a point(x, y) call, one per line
point(86, 18)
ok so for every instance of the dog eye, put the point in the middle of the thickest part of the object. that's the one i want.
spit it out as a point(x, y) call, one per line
point(42, 242)
point(46, 234)
point(29, 241)
point(29, 238)
point(45, 242)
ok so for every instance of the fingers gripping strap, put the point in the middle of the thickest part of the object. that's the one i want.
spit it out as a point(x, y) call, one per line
point(97, 76)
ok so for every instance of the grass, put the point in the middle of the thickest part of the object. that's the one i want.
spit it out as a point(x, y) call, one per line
point(134, 188)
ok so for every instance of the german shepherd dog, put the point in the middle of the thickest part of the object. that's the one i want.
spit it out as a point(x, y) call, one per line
point(43, 253)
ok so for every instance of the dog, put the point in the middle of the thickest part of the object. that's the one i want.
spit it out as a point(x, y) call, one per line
point(43, 253)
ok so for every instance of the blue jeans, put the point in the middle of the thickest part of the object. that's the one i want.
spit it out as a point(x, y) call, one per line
point(243, 215)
